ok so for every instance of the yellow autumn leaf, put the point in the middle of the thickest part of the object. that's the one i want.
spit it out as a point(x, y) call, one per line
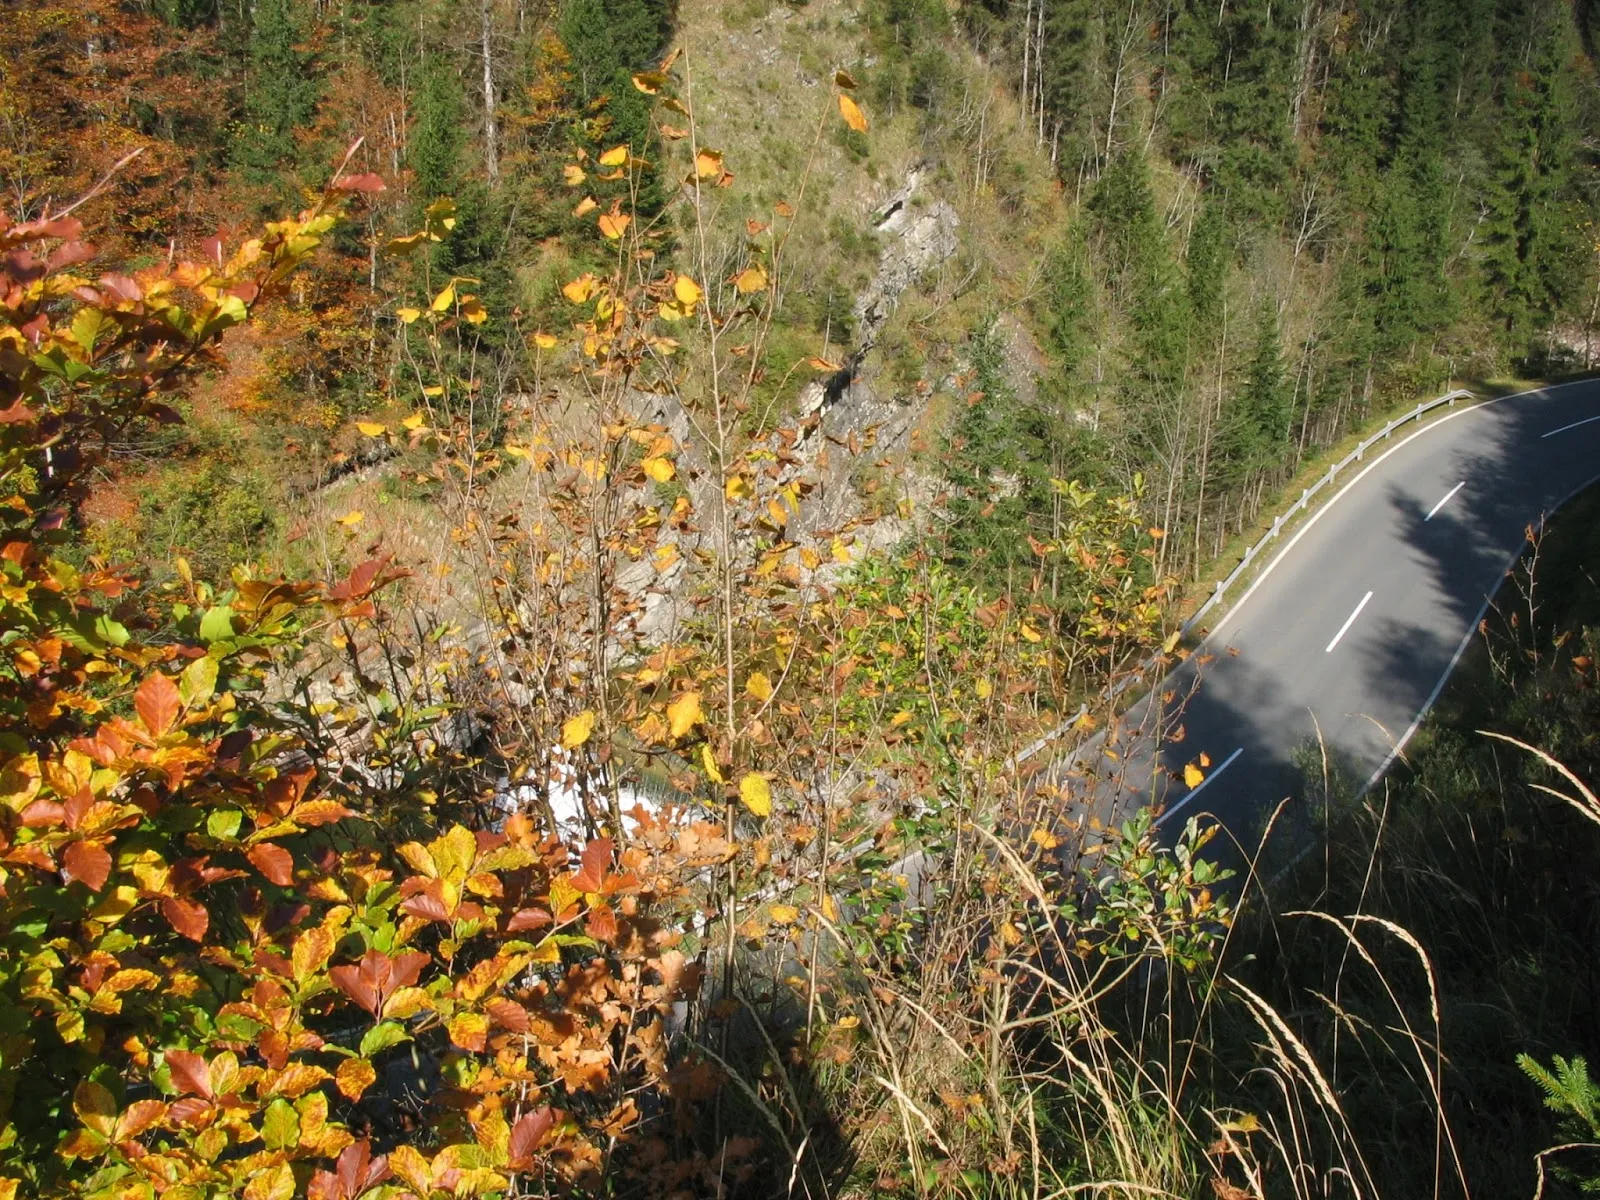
point(574, 175)
point(585, 206)
point(1044, 839)
point(650, 82)
point(759, 686)
point(849, 1022)
point(752, 279)
point(433, 389)
point(545, 341)
point(687, 291)
point(822, 364)
point(351, 519)
point(1193, 775)
point(614, 224)
point(1029, 632)
point(841, 552)
point(659, 469)
point(413, 422)
point(516, 451)
point(709, 761)
point(372, 428)
point(985, 689)
point(575, 731)
point(445, 298)
point(614, 157)
point(683, 714)
point(783, 914)
point(852, 114)
point(473, 311)
point(900, 718)
point(407, 315)
point(708, 163)
point(673, 134)
point(738, 487)
point(580, 290)
point(756, 795)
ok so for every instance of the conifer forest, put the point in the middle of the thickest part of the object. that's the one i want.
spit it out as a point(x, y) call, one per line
point(616, 598)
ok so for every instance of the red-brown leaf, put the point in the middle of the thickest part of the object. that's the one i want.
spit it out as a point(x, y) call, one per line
point(357, 986)
point(528, 918)
point(190, 1072)
point(187, 1110)
point(157, 703)
point(377, 976)
point(602, 924)
point(360, 183)
point(596, 858)
point(527, 1134)
point(89, 862)
point(507, 1014)
point(273, 861)
point(187, 917)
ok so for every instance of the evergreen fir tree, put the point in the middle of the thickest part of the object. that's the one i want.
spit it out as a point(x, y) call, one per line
point(1207, 268)
point(437, 135)
point(281, 90)
point(609, 40)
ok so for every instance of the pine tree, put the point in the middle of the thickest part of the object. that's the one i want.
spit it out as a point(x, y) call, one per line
point(1533, 263)
point(1206, 268)
point(608, 41)
point(281, 90)
point(437, 135)
point(1257, 435)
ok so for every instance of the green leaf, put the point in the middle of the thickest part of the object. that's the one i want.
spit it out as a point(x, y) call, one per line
point(281, 1129)
point(381, 1036)
point(223, 824)
point(111, 632)
point(217, 624)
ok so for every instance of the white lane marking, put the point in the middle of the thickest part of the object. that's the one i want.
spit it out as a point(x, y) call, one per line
point(1434, 511)
point(1193, 792)
point(1564, 428)
point(1461, 649)
point(1372, 466)
point(1348, 621)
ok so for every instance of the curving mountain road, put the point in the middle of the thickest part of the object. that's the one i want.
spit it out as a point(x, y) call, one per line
point(1353, 627)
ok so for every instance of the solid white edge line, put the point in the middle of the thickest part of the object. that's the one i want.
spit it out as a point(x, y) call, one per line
point(1466, 640)
point(1348, 621)
point(1564, 428)
point(1434, 511)
point(1337, 496)
point(1193, 792)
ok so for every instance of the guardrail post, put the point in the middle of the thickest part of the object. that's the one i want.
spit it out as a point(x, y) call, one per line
point(1277, 523)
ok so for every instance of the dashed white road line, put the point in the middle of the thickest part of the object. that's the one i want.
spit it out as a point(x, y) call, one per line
point(1348, 621)
point(1434, 511)
point(1564, 428)
point(1205, 783)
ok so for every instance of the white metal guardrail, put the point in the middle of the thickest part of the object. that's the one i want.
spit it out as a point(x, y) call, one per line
point(1300, 505)
point(1220, 589)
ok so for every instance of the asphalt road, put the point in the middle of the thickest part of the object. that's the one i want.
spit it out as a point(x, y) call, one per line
point(1351, 630)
